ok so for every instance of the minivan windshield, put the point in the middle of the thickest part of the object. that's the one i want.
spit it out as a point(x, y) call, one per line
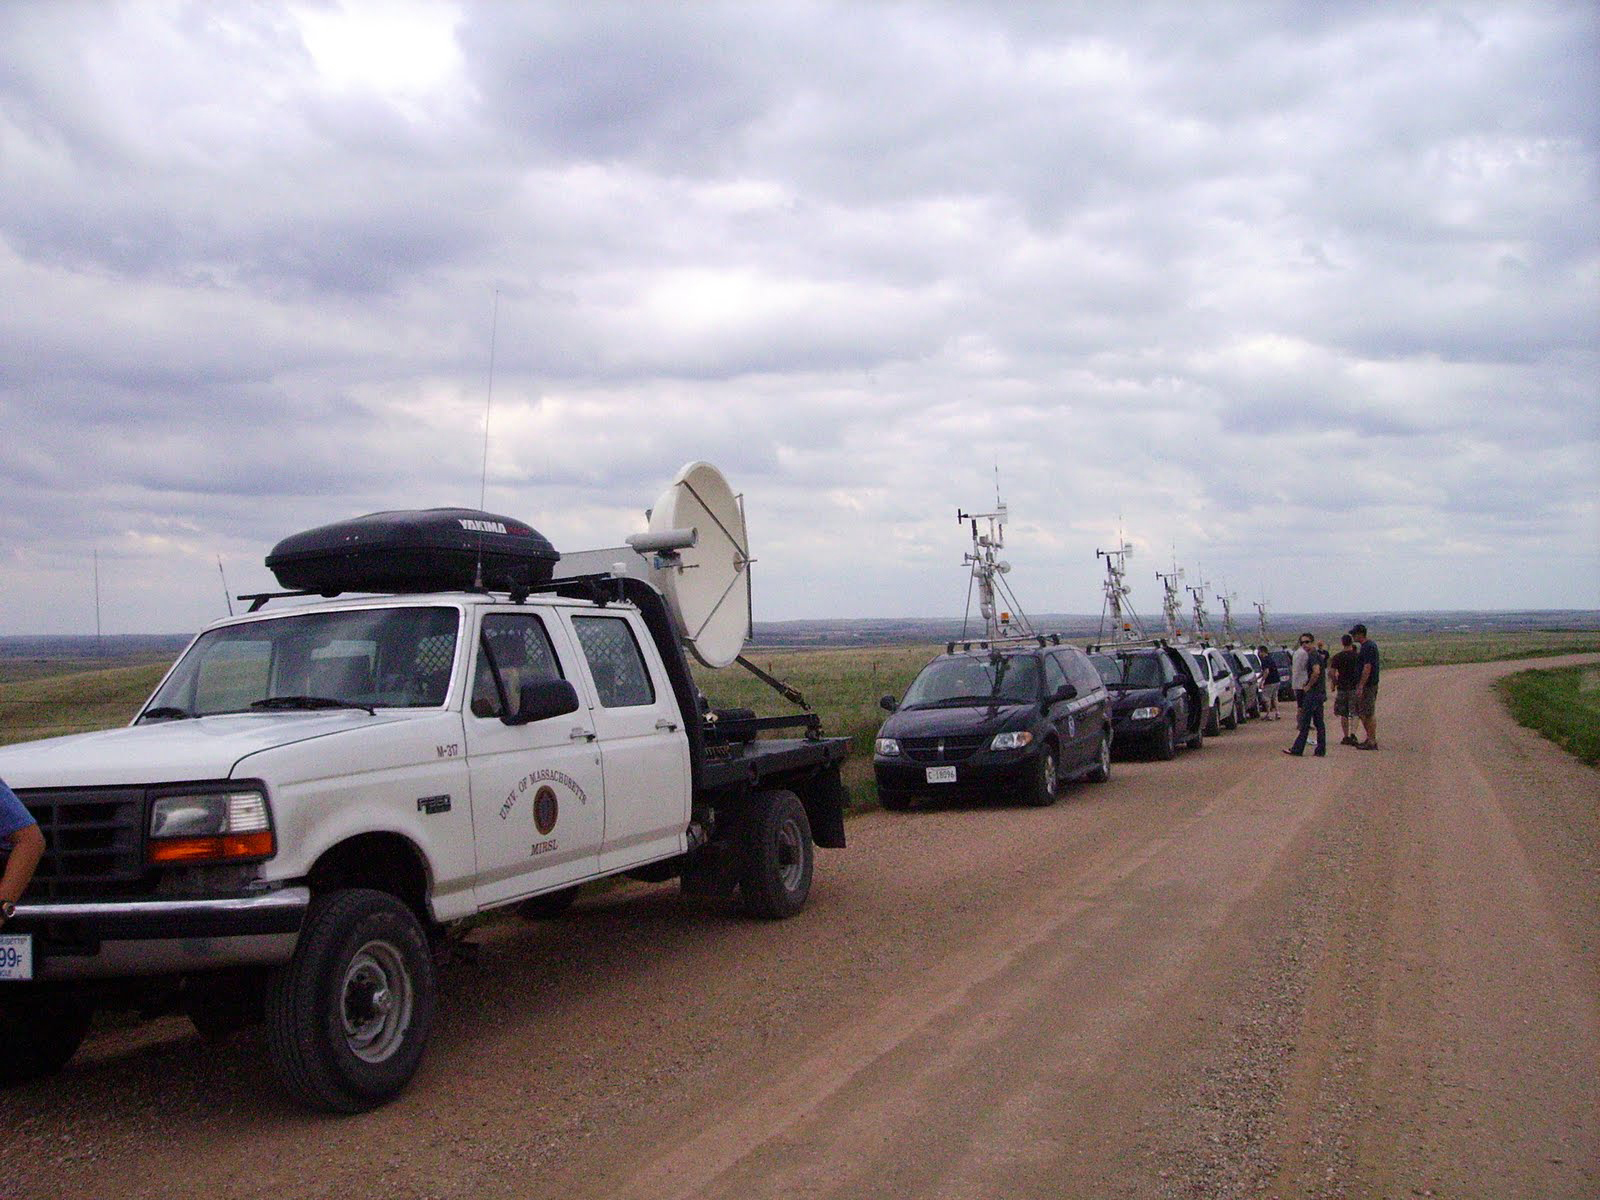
point(968, 679)
point(1128, 670)
point(356, 658)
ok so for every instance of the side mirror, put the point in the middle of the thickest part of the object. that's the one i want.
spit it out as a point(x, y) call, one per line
point(888, 704)
point(543, 699)
point(1065, 692)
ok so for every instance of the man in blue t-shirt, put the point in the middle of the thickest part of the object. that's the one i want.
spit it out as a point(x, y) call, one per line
point(21, 848)
point(1366, 686)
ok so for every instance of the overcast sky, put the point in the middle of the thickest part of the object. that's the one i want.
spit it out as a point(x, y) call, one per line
point(1303, 296)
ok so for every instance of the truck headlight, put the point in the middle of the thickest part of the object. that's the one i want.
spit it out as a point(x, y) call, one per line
point(887, 747)
point(215, 825)
point(1146, 714)
point(1011, 741)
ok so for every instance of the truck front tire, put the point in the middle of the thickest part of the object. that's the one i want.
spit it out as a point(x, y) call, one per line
point(39, 1031)
point(348, 1016)
point(776, 855)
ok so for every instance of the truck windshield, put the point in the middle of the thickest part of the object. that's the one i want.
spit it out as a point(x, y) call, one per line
point(376, 657)
point(1013, 679)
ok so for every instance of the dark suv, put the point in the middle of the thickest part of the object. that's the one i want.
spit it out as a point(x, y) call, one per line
point(1010, 717)
point(1156, 701)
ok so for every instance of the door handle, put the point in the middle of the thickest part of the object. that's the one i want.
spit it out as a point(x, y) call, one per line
point(666, 726)
point(580, 733)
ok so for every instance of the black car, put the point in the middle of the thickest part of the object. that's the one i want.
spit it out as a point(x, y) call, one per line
point(1248, 677)
point(1001, 717)
point(1156, 700)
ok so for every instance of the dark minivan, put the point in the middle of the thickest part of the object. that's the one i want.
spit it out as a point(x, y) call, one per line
point(1157, 702)
point(1009, 717)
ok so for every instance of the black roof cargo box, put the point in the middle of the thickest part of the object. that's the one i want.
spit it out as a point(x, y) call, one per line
point(415, 550)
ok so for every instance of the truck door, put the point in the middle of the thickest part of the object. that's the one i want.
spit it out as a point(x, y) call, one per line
point(537, 789)
point(643, 746)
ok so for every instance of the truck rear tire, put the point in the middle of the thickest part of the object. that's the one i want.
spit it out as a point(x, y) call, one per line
point(39, 1030)
point(348, 1016)
point(776, 855)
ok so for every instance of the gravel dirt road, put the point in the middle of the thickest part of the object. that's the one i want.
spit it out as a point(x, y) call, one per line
point(1237, 974)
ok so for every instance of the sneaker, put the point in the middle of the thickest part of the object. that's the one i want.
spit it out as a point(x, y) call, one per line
point(1349, 739)
point(1296, 753)
point(1366, 745)
point(1320, 752)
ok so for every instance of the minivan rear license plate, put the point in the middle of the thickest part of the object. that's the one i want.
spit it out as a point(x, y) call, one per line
point(16, 956)
point(941, 774)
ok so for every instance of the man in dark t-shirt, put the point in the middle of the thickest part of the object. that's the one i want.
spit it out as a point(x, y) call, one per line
point(1344, 670)
point(1366, 686)
point(1311, 699)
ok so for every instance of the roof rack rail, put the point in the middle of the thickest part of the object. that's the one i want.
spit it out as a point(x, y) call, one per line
point(588, 587)
point(1109, 647)
point(1041, 639)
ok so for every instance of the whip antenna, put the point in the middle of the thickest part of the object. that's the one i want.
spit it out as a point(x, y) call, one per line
point(488, 406)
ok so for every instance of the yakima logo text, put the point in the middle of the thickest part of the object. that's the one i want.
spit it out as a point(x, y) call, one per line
point(481, 526)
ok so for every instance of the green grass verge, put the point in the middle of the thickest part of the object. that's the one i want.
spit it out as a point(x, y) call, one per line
point(74, 702)
point(1563, 703)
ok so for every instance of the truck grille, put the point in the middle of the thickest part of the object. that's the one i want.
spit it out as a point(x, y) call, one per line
point(941, 749)
point(94, 842)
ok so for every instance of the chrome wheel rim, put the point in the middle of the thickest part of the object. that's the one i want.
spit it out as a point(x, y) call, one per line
point(376, 999)
point(1049, 773)
point(791, 855)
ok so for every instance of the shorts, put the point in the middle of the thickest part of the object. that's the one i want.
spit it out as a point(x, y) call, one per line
point(1367, 703)
point(1344, 702)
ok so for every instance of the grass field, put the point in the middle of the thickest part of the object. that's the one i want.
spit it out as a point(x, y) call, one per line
point(1562, 703)
point(843, 685)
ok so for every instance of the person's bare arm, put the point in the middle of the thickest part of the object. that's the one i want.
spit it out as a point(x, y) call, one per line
point(27, 848)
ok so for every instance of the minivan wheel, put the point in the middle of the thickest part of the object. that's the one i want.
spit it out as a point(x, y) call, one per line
point(894, 801)
point(1046, 781)
point(1231, 721)
point(1166, 741)
point(1214, 720)
point(1101, 771)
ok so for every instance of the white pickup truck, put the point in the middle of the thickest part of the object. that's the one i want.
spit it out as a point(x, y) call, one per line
point(318, 790)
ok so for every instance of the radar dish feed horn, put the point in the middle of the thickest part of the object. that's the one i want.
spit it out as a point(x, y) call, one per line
point(706, 584)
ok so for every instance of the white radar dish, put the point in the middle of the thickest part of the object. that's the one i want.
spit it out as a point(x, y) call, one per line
point(707, 587)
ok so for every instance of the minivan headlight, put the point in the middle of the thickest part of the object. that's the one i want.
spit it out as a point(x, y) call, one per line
point(887, 747)
point(1011, 741)
point(221, 825)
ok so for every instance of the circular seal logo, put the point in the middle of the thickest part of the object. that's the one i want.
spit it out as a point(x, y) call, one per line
point(545, 809)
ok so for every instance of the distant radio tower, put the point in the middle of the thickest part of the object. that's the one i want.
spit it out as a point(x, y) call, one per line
point(1261, 617)
point(99, 646)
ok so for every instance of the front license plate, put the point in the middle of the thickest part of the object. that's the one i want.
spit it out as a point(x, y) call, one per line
point(941, 774)
point(16, 956)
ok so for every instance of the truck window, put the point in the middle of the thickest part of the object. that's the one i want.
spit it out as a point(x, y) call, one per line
point(620, 677)
point(513, 649)
point(392, 657)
